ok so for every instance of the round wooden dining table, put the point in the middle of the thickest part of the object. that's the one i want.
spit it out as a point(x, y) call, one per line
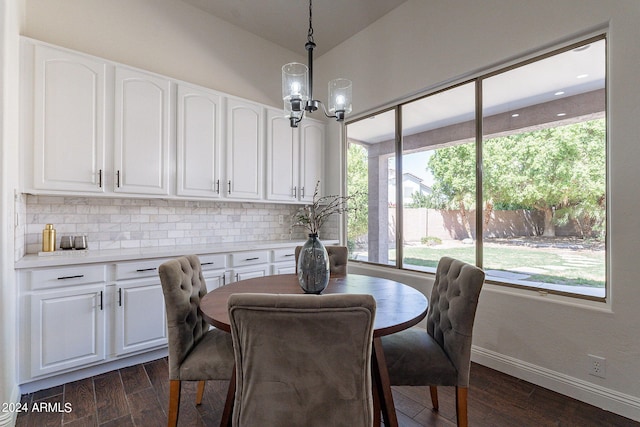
point(398, 307)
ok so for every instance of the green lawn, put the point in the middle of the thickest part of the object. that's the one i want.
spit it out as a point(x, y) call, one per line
point(548, 265)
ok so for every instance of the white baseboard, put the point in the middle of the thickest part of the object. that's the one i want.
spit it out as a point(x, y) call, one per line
point(610, 400)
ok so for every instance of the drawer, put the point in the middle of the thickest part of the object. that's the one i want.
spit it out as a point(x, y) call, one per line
point(239, 259)
point(284, 255)
point(135, 269)
point(66, 276)
point(213, 262)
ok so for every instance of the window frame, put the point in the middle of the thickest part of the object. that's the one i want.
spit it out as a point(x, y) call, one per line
point(478, 80)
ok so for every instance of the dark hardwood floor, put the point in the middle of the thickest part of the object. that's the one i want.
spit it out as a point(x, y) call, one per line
point(138, 396)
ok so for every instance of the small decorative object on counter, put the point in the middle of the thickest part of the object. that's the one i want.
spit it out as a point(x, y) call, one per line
point(48, 238)
point(66, 242)
point(80, 242)
point(313, 261)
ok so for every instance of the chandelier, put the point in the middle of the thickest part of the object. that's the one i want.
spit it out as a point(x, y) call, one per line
point(297, 88)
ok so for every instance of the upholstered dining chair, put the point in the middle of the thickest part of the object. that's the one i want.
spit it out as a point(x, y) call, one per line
point(302, 360)
point(441, 354)
point(195, 352)
point(338, 256)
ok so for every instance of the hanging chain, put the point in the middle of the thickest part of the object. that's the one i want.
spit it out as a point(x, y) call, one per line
point(310, 33)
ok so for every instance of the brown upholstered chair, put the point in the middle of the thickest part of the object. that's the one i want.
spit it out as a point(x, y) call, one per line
point(441, 355)
point(195, 352)
point(338, 256)
point(302, 360)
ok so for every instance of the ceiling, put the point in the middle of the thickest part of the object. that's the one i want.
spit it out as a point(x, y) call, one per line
point(564, 75)
point(286, 22)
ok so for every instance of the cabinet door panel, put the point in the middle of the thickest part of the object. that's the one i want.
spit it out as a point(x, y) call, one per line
point(67, 329)
point(141, 133)
point(311, 159)
point(282, 157)
point(141, 317)
point(69, 120)
point(198, 142)
point(244, 150)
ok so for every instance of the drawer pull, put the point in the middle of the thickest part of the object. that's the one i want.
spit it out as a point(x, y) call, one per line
point(252, 259)
point(101, 306)
point(290, 255)
point(119, 297)
point(71, 277)
point(145, 269)
point(207, 263)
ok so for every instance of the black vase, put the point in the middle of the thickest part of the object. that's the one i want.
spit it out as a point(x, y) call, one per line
point(313, 266)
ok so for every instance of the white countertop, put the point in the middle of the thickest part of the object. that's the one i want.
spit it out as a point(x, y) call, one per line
point(59, 258)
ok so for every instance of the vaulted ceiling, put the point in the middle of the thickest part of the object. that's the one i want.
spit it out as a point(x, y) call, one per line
point(286, 22)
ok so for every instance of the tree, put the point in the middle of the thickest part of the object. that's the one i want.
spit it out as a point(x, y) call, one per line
point(454, 185)
point(559, 171)
point(550, 170)
point(358, 186)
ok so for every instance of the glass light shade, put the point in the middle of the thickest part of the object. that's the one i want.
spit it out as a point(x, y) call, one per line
point(295, 83)
point(340, 96)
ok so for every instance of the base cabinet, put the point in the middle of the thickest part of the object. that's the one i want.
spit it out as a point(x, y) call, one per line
point(67, 328)
point(79, 316)
point(140, 317)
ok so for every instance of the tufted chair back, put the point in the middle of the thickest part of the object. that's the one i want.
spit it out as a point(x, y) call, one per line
point(302, 360)
point(338, 256)
point(183, 286)
point(452, 309)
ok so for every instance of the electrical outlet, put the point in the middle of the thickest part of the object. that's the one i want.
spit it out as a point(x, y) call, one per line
point(280, 219)
point(597, 366)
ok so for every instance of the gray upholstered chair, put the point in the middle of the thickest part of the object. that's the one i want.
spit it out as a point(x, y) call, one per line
point(195, 352)
point(302, 360)
point(441, 355)
point(337, 259)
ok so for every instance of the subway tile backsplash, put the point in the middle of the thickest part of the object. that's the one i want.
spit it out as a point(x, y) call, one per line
point(120, 223)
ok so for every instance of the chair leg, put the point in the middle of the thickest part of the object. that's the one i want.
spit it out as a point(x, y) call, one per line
point(200, 392)
point(174, 403)
point(434, 397)
point(461, 406)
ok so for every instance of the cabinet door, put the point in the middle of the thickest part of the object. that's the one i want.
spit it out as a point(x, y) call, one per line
point(244, 150)
point(198, 142)
point(311, 159)
point(141, 132)
point(69, 121)
point(282, 157)
point(140, 316)
point(67, 328)
point(250, 272)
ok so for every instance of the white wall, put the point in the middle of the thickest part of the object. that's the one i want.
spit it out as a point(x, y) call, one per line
point(424, 44)
point(9, 28)
point(168, 37)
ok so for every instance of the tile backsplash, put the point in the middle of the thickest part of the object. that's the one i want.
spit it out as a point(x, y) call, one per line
point(119, 223)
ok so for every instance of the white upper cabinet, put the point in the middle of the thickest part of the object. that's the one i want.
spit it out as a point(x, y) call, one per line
point(91, 126)
point(141, 137)
point(282, 157)
point(294, 158)
point(198, 142)
point(245, 158)
point(312, 135)
point(68, 121)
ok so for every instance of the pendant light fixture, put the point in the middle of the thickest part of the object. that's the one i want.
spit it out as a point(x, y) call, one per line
point(297, 88)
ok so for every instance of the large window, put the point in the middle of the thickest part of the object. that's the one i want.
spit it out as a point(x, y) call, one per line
point(506, 171)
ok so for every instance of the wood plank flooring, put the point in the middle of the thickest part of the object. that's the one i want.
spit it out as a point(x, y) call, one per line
point(138, 396)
